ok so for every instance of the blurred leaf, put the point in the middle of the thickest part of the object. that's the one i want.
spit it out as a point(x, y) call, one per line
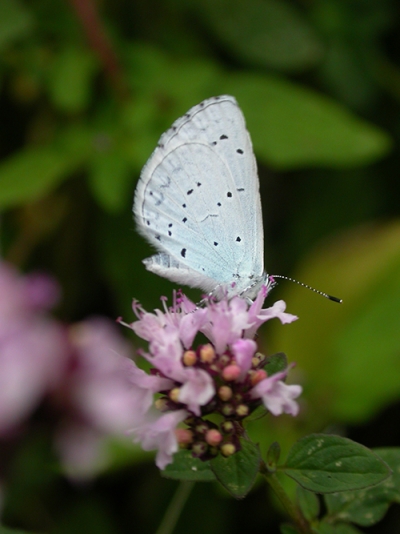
point(238, 472)
point(268, 32)
point(15, 21)
point(77, 142)
point(6, 530)
point(185, 467)
point(325, 463)
point(341, 528)
point(349, 353)
point(369, 506)
point(288, 529)
point(70, 79)
point(346, 76)
point(30, 174)
point(110, 177)
point(292, 126)
point(273, 455)
point(308, 502)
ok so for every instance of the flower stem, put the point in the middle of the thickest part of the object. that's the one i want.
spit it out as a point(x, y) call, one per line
point(290, 507)
point(175, 508)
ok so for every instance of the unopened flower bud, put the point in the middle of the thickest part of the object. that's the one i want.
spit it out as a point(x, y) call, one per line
point(227, 410)
point(257, 359)
point(257, 376)
point(225, 393)
point(224, 359)
point(227, 427)
point(207, 353)
point(174, 394)
point(242, 410)
point(201, 428)
point(213, 437)
point(184, 436)
point(199, 448)
point(231, 373)
point(228, 449)
point(189, 358)
point(161, 404)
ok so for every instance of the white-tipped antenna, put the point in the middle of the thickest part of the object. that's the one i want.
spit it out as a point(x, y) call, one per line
point(330, 297)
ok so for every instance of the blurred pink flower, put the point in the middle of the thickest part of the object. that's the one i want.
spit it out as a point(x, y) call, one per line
point(32, 345)
point(102, 394)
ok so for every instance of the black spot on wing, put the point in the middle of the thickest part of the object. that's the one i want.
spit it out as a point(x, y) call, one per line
point(223, 136)
point(229, 194)
point(239, 151)
point(183, 252)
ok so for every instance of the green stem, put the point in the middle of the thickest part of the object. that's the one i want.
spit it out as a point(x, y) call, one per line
point(290, 507)
point(175, 508)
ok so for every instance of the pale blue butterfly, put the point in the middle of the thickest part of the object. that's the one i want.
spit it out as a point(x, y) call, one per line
point(198, 203)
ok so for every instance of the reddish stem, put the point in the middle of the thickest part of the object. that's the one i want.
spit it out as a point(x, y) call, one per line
point(88, 15)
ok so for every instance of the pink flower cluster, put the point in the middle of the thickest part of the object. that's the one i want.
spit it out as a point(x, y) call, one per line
point(79, 373)
point(224, 376)
point(85, 377)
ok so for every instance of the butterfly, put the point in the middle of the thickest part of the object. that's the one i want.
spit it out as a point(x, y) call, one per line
point(198, 203)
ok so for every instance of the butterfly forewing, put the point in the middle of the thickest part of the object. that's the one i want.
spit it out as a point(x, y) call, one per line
point(198, 200)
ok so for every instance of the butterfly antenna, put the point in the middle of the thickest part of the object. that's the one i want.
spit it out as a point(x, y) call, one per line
point(330, 297)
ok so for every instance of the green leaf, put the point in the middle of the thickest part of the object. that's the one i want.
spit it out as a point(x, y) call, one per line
point(30, 174)
point(273, 455)
point(349, 353)
point(70, 79)
point(308, 502)
point(325, 464)
point(341, 528)
point(367, 507)
point(293, 127)
point(267, 32)
point(276, 363)
point(15, 21)
point(110, 177)
point(238, 472)
point(391, 455)
point(185, 467)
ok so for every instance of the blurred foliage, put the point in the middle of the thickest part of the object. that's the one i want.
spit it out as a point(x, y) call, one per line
point(86, 89)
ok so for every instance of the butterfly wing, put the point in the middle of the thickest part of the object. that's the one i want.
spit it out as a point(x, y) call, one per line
point(197, 200)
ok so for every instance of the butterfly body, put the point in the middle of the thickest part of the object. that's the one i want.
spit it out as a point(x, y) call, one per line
point(198, 203)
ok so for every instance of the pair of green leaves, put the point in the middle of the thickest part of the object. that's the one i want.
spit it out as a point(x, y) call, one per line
point(358, 484)
point(320, 463)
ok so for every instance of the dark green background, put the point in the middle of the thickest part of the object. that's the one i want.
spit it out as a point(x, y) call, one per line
point(83, 102)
